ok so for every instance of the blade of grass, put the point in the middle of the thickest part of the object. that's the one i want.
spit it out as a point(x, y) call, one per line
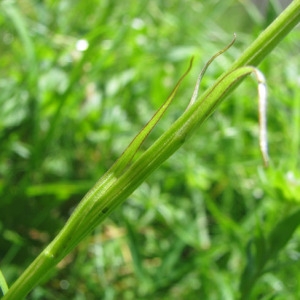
point(17, 19)
point(3, 284)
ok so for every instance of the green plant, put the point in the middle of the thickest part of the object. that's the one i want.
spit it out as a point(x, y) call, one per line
point(120, 181)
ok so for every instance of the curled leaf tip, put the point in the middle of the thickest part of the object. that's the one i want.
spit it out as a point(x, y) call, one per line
point(199, 79)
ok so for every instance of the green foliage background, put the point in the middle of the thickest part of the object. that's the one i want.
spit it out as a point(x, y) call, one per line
point(211, 222)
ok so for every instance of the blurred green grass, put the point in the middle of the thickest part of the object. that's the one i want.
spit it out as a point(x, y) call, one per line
point(67, 114)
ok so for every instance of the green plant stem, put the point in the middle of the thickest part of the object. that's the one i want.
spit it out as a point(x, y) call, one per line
point(109, 192)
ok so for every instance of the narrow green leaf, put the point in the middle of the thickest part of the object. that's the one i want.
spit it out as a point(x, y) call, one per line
point(11, 10)
point(282, 233)
point(118, 168)
point(3, 284)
